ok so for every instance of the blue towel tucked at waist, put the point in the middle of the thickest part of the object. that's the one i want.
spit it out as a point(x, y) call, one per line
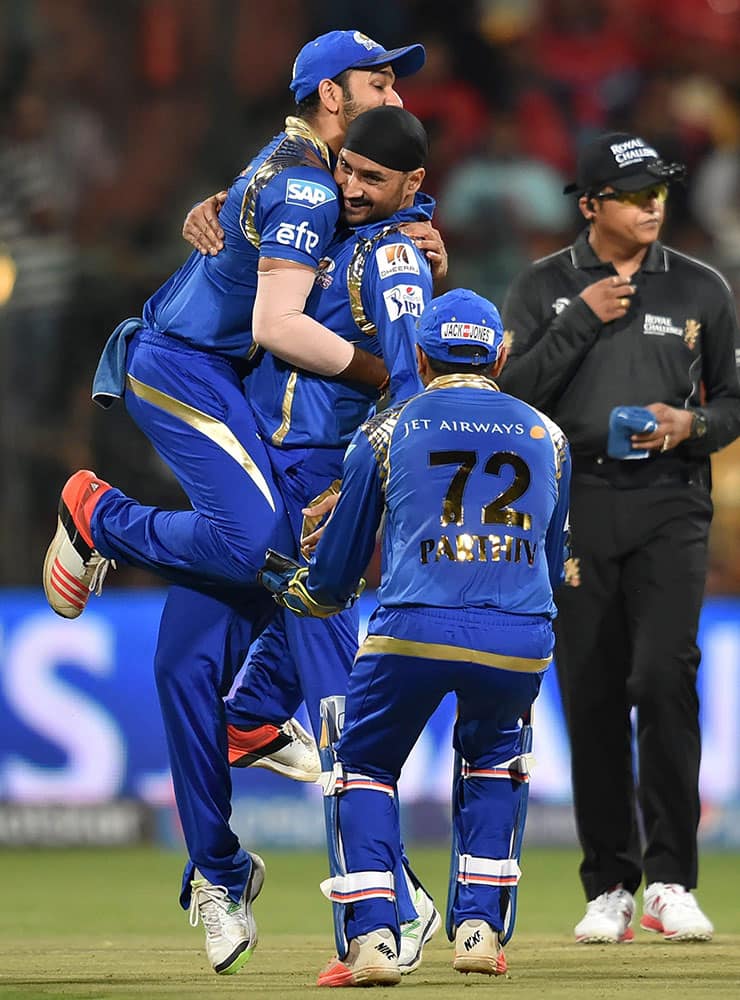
point(109, 381)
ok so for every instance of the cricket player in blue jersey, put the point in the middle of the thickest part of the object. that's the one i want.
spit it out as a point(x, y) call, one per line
point(473, 488)
point(375, 284)
point(180, 368)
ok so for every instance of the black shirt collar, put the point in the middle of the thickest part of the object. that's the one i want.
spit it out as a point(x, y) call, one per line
point(583, 256)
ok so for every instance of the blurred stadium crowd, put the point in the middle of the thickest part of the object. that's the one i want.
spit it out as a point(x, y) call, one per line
point(117, 115)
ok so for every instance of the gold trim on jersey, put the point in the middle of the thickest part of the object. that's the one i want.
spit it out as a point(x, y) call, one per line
point(379, 432)
point(463, 381)
point(459, 654)
point(290, 151)
point(212, 428)
point(355, 273)
point(287, 408)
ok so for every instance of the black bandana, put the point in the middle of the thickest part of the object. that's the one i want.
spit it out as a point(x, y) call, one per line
point(390, 136)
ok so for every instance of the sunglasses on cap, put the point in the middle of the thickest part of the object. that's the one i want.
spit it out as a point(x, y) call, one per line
point(640, 199)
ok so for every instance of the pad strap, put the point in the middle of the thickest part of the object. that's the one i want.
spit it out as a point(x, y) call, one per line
point(337, 781)
point(487, 871)
point(517, 769)
point(359, 885)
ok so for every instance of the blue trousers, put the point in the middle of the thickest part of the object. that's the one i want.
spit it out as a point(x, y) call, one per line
point(394, 688)
point(191, 405)
point(297, 658)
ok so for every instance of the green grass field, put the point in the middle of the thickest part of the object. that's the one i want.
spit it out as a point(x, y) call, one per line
point(100, 924)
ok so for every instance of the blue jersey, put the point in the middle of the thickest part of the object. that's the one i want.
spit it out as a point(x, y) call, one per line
point(473, 484)
point(374, 285)
point(285, 205)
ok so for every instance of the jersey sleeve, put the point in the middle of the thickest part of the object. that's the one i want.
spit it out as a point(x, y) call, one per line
point(557, 538)
point(397, 285)
point(546, 347)
point(345, 548)
point(296, 214)
point(720, 358)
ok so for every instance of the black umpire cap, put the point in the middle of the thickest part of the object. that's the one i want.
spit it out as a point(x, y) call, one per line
point(623, 161)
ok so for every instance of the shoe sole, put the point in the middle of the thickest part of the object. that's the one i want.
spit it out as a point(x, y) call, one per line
point(55, 583)
point(235, 962)
point(340, 975)
point(297, 774)
point(484, 966)
point(654, 926)
point(606, 939)
point(427, 934)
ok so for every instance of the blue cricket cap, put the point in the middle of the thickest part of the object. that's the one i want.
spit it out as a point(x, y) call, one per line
point(461, 326)
point(331, 54)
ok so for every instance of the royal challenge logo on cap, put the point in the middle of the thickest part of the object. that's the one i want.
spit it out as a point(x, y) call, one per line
point(632, 151)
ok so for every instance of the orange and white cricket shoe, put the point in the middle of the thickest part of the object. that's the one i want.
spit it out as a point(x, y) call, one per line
point(372, 960)
point(288, 749)
point(73, 569)
point(608, 918)
point(671, 910)
point(478, 949)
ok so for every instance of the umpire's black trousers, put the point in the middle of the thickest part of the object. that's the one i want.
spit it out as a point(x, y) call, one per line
point(626, 636)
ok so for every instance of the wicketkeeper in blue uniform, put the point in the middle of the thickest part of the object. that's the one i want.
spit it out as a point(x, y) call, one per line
point(473, 488)
point(180, 368)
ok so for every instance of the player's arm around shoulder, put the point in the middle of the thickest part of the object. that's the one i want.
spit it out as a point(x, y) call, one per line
point(397, 287)
point(293, 215)
point(347, 544)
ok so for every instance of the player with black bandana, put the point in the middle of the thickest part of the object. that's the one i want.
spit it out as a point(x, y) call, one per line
point(620, 329)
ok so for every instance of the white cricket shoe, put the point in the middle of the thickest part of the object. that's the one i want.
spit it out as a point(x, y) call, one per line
point(371, 961)
point(231, 931)
point(416, 933)
point(671, 910)
point(478, 949)
point(288, 750)
point(73, 568)
point(608, 918)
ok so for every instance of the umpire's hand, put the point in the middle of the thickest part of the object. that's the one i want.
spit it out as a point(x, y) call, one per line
point(609, 298)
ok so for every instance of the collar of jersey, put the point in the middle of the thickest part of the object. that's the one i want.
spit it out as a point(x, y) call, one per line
point(421, 211)
point(298, 128)
point(583, 255)
point(461, 381)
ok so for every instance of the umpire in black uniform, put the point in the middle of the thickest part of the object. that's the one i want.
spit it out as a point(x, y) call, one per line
point(620, 320)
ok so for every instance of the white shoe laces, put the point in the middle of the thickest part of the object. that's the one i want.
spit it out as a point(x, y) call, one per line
point(297, 734)
point(206, 902)
point(99, 566)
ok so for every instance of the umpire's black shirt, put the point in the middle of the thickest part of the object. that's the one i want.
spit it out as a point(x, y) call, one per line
point(679, 337)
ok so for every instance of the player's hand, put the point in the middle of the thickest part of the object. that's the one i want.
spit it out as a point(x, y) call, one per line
point(674, 426)
point(201, 227)
point(609, 298)
point(316, 517)
point(429, 240)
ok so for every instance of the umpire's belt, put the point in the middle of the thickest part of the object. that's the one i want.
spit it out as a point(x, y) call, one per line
point(659, 470)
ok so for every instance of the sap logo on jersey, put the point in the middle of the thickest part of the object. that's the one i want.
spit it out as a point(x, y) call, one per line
point(396, 258)
point(312, 195)
point(404, 300)
point(300, 236)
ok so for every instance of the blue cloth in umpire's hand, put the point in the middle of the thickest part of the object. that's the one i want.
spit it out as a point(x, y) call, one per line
point(624, 421)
